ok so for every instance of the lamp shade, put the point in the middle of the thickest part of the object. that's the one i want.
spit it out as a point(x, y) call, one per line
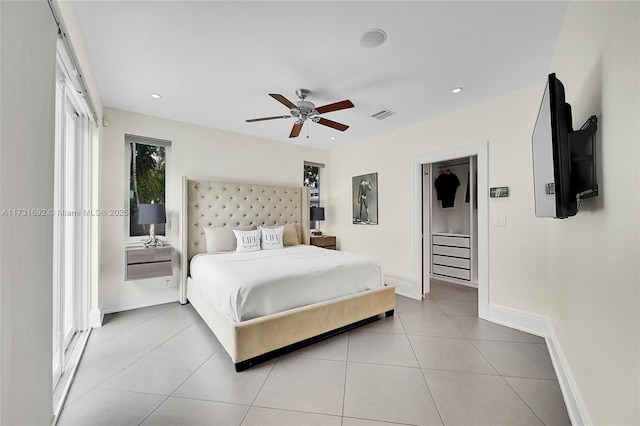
point(317, 213)
point(151, 214)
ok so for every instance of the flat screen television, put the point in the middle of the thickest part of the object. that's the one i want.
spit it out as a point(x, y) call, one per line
point(564, 160)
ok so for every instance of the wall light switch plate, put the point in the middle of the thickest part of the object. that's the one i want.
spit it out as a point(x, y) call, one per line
point(500, 220)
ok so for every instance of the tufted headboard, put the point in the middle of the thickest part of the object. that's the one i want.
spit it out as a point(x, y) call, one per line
point(236, 204)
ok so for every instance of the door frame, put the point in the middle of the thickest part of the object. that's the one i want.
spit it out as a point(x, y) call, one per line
point(481, 151)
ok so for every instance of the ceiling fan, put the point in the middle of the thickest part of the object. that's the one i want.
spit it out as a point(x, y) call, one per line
point(303, 110)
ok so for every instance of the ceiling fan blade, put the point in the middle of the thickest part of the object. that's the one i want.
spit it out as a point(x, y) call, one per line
point(295, 131)
point(335, 106)
point(284, 101)
point(275, 117)
point(335, 125)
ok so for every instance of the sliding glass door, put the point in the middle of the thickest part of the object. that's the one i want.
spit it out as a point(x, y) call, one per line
point(71, 220)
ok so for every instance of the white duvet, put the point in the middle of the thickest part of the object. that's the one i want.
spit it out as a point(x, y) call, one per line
point(254, 284)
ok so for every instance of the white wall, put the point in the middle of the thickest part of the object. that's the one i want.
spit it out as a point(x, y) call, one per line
point(593, 278)
point(581, 273)
point(199, 153)
point(28, 46)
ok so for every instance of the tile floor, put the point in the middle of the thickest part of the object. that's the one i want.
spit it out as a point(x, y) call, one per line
point(433, 363)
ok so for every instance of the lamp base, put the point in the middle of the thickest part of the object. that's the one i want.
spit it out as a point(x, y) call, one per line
point(316, 231)
point(153, 242)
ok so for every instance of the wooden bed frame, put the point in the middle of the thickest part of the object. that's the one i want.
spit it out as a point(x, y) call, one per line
point(256, 340)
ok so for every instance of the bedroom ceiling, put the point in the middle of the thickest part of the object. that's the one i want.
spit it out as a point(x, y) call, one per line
point(215, 62)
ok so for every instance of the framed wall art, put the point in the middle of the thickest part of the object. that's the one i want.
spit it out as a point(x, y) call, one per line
point(365, 199)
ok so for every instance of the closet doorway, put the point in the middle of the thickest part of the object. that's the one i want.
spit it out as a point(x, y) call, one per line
point(452, 220)
point(451, 213)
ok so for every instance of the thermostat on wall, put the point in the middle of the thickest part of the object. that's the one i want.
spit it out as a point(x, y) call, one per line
point(499, 192)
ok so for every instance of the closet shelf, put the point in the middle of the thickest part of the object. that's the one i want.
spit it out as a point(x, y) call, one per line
point(450, 234)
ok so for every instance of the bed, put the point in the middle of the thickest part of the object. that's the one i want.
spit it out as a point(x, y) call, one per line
point(252, 334)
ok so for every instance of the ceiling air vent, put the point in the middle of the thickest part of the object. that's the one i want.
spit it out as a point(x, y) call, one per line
point(381, 115)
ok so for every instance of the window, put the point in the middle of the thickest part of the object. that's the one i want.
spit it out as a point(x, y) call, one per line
point(147, 163)
point(311, 178)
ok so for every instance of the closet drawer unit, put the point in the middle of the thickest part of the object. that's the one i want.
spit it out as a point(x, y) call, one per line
point(463, 274)
point(442, 240)
point(452, 261)
point(451, 251)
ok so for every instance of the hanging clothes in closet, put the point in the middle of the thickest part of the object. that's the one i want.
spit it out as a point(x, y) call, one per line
point(446, 184)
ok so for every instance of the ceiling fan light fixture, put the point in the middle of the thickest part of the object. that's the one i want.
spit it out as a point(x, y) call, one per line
point(373, 37)
point(304, 110)
point(456, 90)
point(155, 96)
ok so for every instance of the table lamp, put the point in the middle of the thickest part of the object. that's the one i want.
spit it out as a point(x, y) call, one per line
point(317, 214)
point(152, 214)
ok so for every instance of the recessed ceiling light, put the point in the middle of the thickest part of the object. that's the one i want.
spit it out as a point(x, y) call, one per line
point(373, 38)
point(457, 90)
point(155, 96)
point(332, 138)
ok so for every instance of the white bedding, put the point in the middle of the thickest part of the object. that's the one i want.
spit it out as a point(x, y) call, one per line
point(259, 283)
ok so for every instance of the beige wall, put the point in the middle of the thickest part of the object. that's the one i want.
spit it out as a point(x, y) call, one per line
point(197, 152)
point(506, 123)
point(581, 273)
point(27, 88)
point(593, 278)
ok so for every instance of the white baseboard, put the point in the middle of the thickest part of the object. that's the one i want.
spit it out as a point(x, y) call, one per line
point(523, 321)
point(540, 326)
point(143, 300)
point(576, 409)
point(473, 284)
point(95, 318)
point(402, 288)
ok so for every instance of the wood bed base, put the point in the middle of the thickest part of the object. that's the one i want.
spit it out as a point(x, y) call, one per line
point(260, 339)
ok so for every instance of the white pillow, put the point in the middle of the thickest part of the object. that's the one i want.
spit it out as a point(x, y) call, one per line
point(247, 240)
point(272, 238)
point(220, 239)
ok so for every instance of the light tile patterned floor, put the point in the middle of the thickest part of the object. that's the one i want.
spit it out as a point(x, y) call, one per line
point(433, 363)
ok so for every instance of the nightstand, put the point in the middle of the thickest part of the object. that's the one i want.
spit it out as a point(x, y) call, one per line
point(144, 263)
point(324, 241)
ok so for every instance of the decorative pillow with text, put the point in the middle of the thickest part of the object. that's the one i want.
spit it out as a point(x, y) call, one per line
point(247, 240)
point(272, 238)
